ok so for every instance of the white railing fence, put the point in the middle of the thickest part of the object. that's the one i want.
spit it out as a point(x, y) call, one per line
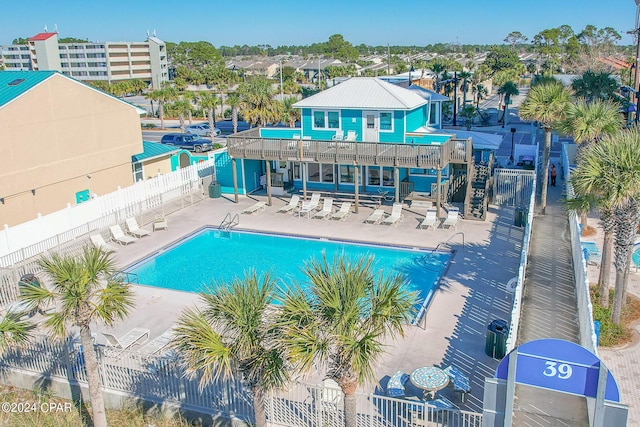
point(162, 379)
point(585, 309)
point(513, 187)
point(162, 194)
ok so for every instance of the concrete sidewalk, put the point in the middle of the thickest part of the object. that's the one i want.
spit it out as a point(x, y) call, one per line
point(549, 310)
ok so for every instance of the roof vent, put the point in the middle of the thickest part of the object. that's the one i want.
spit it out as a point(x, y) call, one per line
point(15, 82)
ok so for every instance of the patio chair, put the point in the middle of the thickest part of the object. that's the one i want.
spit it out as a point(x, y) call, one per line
point(160, 223)
point(157, 344)
point(256, 207)
point(351, 136)
point(339, 135)
point(119, 236)
point(308, 207)
point(375, 217)
point(396, 215)
point(327, 209)
point(134, 229)
point(459, 380)
point(290, 207)
point(395, 386)
point(430, 219)
point(441, 404)
point(591, 253)
point(343, 213)
point(385, 195)
point(127, 340)
point(451, 221)
point(98, 241)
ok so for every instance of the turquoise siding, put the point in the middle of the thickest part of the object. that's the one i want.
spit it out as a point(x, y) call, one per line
point(349, 119)
point(224, 175)
point(252, 171)
point(307, 128)
point(426, 138)
point(280, 133)
point(352, 120)
point(416, 118)
point(397, 135)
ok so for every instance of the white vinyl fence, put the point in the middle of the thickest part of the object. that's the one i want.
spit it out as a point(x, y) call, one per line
point(513, 187)
point(162, 379)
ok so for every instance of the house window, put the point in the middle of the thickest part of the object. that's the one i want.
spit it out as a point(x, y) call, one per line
point(386, 122)
point(318, 119)
point(347, 174)
point(138, 173)
point(296, 170)
point(387, 177)
point(375, 173)
point(317, 172)
point(326, 120)
point(433, 113)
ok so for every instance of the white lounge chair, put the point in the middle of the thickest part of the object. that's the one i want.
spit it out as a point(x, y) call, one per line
point(351, 136)
point(98, 241)
point(133, 228)
point(157, 344)
point(343, 213)
point(430, 219)
point(396, 215)
point(127, 340)
point(339, 136)
point(257, 207)
point(291, 206)
point(451, 221)
point(118, 235)
point(160, 223)
point(308, 207)
point(375, 217)
point(327, 209)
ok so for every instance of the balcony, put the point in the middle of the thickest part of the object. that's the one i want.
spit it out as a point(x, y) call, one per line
point(249, 145)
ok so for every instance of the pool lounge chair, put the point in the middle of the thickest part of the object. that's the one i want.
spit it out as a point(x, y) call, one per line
point(98, 241)
point(256, 207)
point(118, 235)
point(591, 253)
point(308, 207)
point(451, 221)
point(291, 206)
point(375, 217)
point(351, 136)
point(396, 215)
point(157, 344)
point(343, 213)
point(134, 229)
point(127, 340)
point(160, 223)
point(430, 219)
point(327, 209)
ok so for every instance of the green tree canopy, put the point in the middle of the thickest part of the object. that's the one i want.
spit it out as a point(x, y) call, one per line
point(337, 47)
point(193, 54)
point(501, 58)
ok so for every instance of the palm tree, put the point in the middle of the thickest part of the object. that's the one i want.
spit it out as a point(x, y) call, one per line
point(507, 90)
point(233, 100)
point(233, 334)
point(289, 114)
point(256, 102)
point(190, 97)
point(595, 86)
point(209, 101)
point(589, 121)
point(341, 320)
point(546, 104)
point(480, 93)
point(85, 291)
point(13, 331)
point(182, 107)
point(468, 112)
point(162, 96)
point(464, 77)
point(610, 170)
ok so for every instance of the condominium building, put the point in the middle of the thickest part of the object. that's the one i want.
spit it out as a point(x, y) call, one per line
point(91, 61)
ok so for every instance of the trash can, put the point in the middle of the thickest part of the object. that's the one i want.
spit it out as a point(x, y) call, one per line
point(520, 216)
point(496, 342)
point(215, 190)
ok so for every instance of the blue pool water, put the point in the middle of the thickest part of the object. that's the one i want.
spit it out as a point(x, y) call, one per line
point(211, 254)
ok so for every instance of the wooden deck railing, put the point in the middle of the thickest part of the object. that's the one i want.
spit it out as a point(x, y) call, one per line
point(249, 145)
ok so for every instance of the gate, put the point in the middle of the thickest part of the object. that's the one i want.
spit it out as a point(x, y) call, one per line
point(512, 187)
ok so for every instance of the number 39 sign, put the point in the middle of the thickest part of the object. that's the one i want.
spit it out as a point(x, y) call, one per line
point(558, 365)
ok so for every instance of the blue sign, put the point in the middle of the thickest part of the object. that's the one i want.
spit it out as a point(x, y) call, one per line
point(558, 365)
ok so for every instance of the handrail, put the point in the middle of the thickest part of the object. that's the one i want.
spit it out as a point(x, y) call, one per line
point(229, 221)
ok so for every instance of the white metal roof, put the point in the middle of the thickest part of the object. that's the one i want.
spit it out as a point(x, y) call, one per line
point(427, 94)
point(366, 93)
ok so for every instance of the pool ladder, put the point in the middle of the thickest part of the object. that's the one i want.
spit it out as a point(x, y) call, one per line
point(229, 221)
point(427, 258)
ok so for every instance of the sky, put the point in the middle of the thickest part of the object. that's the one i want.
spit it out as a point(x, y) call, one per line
point(289, 22)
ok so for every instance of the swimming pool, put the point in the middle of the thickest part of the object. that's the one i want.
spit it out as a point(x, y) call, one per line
point(211, 254)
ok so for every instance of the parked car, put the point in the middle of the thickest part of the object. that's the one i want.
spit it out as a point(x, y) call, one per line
point(226, 126)
point(187, 141)
point(202, 129)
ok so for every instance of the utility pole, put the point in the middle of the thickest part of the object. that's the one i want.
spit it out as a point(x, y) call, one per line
point(389, 58)
point(636, 31)
point(455, 96)
point(281, 96)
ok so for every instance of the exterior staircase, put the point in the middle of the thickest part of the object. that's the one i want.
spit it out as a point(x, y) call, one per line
point(478, 194)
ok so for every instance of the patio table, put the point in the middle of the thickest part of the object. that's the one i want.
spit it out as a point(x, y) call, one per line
point(429, 379)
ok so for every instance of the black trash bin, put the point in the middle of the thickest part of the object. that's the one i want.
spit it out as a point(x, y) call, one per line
point(520, 216)
point(215, 190)
point(496, 342)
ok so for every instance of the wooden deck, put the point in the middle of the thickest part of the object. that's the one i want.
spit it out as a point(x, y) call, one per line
point(249, 145)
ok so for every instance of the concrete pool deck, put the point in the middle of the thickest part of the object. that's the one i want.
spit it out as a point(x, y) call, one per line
point(471, 295)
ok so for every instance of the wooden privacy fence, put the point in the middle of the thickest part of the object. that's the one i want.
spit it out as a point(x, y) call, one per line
point(162, 379)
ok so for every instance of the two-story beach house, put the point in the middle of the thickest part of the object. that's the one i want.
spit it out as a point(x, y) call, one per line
point(368, 136)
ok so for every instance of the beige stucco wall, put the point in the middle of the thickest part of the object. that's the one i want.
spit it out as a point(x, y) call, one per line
point(56, 134)
point(153, 167)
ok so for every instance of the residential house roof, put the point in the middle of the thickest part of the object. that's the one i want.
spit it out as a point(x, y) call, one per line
point(41, 36)
point(14, 84)
point(366, 93)
point(152, 150)
point(427, 94)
